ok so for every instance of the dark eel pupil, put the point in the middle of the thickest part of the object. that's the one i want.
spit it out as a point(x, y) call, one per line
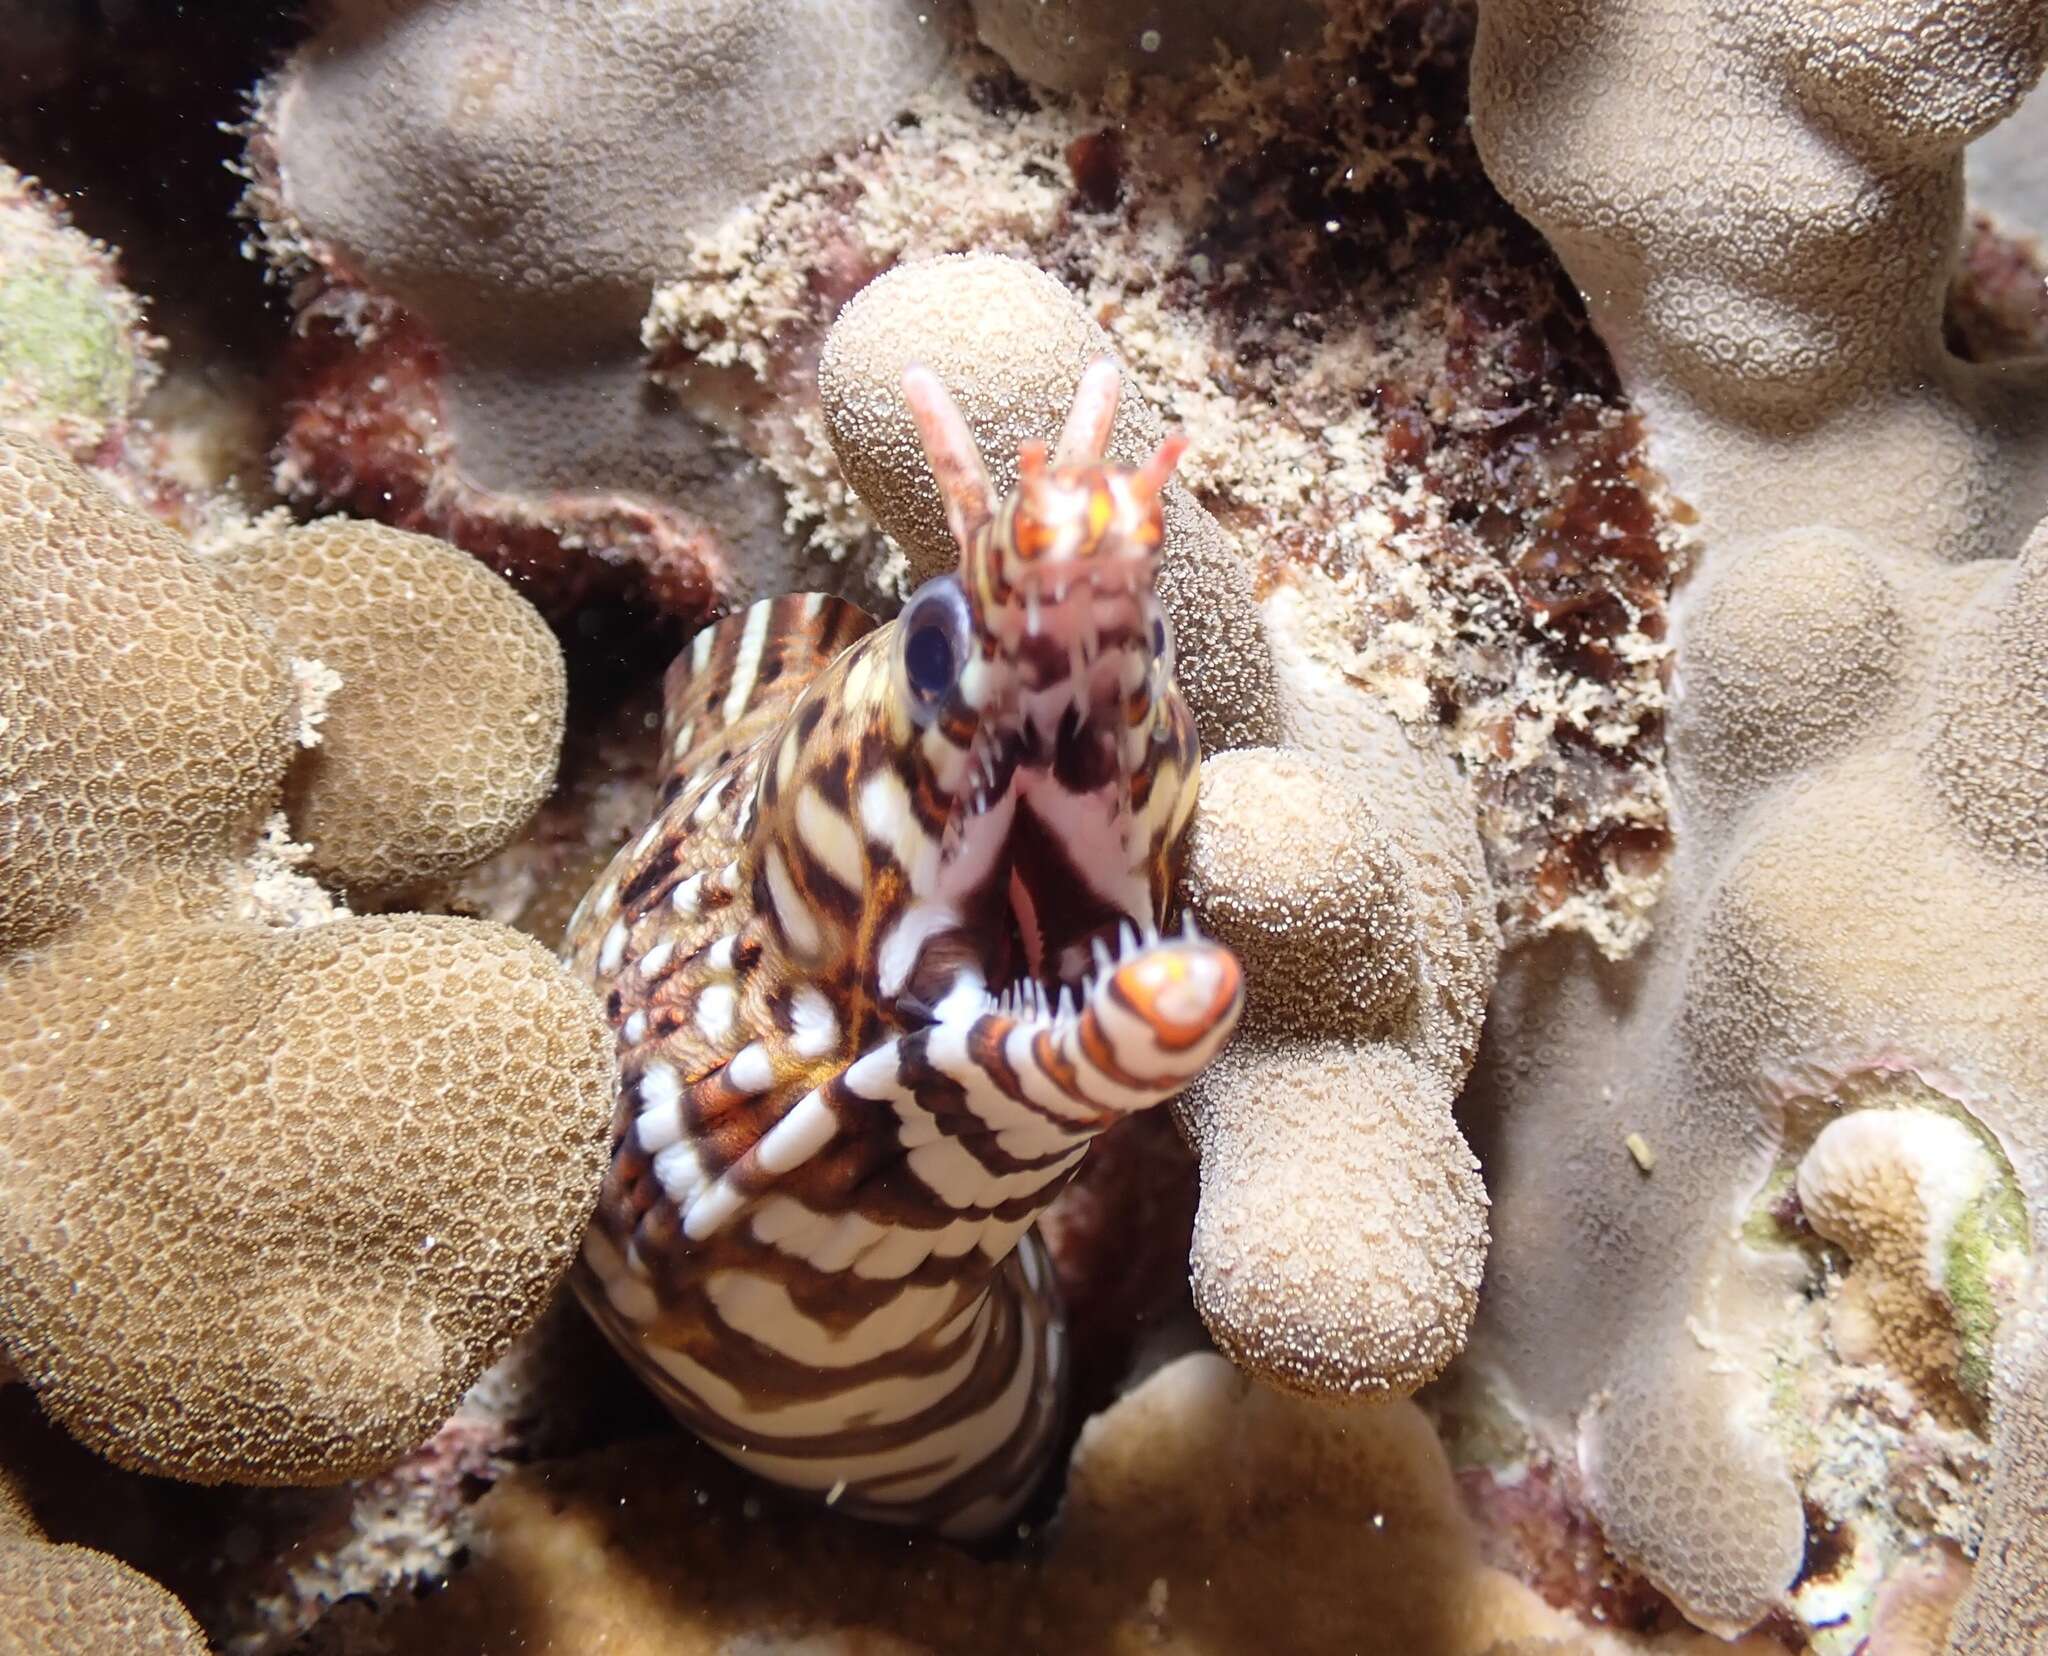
point(928, 660)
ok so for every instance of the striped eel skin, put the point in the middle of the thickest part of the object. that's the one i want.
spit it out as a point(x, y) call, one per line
point(882, 967)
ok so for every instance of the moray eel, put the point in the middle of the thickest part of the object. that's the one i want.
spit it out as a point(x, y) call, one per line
point(885, 963)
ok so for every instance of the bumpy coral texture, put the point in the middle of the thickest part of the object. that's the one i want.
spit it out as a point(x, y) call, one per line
point(1394, 406)
point(1204, 1516)
point(74, 1601)
point(1762, 206)
point(1343, 1223)
point(327, 1173)
point(491, 191)
point(1890, 1187)
point(440, 741)
point(1010, 343)
point(1368, 936)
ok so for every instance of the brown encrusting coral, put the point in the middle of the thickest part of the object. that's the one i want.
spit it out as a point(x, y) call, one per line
point(1205, 1516)
point(335, 1164)
point(1740, 1207)
point(1369, 923)
point(75, 1601)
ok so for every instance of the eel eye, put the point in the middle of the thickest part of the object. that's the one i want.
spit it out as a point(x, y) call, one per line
point(935, 641)
point(1162, 639)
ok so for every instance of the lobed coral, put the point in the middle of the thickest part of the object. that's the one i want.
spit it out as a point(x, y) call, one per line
point(73, 1601)
point(1406, 427)
point(1342, 1230)
point(337, 1165)
point(1290, 1121)
point(1204, 1515)
point(1762, 214)
point(480, 199)
point(419, 770)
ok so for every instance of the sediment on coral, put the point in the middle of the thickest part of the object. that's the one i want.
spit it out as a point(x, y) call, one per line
point(1856, 896)
point(354, 1156)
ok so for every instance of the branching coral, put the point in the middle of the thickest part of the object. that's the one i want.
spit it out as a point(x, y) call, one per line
point(332, 1170)
point(1762, 213)
point(487, 193)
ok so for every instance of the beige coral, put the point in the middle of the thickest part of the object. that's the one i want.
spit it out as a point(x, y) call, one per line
point(333, 1170)
point(440, 740)
point(75, 1601)
point(1762, 214)
point(1890, 1188)
point(1205, 1516)
point(1342, 1229)
point(1368, 937)
point(1288, 863)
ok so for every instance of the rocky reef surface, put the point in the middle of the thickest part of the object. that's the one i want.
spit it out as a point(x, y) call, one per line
point(1608, 576)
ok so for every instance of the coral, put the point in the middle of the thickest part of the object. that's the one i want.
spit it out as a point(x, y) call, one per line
point(74, 1601)
point(2007, 176)
point(2005, 1612)
point(336, 1168)
point(1203, 1515)
point(1893, 1189)
point(75, 359)
point(1009, 343)
point(485, 195)
point(1394, 409)
point(1762, 215)
point(1073, 45)
point(1342, 1227)
point(440, 739)
point(1352, 928)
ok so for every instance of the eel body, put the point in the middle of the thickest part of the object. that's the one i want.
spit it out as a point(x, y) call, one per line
point(883, 965)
